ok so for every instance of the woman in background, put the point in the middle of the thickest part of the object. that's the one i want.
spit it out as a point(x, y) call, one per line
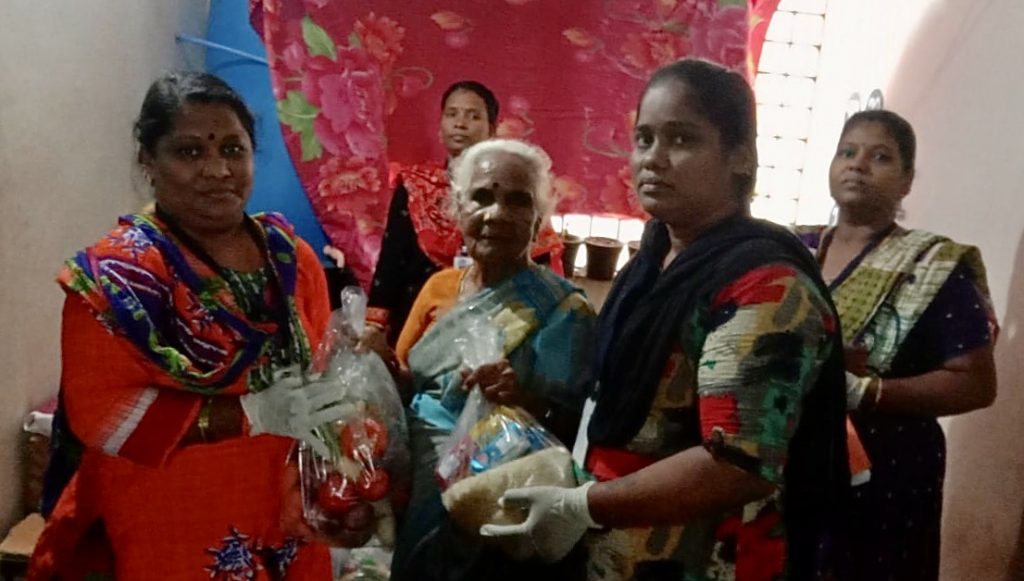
point(421, 238)
point(919, 330)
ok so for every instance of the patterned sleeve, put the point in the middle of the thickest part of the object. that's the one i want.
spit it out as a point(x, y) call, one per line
point(769, 337)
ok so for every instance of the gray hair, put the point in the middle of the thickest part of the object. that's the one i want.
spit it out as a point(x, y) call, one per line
point(537, 160)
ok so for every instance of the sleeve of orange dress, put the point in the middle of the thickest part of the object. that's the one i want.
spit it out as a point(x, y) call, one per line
point(113, 400)
point(438, 295)
point(119, 403)
point(311, 294)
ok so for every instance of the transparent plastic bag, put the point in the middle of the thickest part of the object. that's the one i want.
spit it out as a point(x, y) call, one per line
point(353, 493)
point(361, 564)
point(481, 344)
point(474, 501)
point(494, 448)
point(487, 436)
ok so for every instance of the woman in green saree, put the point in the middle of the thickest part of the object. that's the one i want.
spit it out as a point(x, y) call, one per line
point(919, 330)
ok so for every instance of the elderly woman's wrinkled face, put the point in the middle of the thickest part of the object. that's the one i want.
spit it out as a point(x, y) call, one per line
point(202, 169)
point(498, 215)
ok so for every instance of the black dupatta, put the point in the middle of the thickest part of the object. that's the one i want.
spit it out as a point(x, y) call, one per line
point(643, 318)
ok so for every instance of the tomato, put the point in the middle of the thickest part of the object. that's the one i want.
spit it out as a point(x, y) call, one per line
point(359, 517)
point(364, 439)
point(337, 495)
point(373, 484)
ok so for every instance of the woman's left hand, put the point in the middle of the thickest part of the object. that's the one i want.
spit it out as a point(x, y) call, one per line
point(497, 382)
point(558, 518)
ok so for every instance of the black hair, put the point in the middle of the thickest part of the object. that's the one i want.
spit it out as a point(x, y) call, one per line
point(169, 93)
point(481, 90)
point(898, 128)
point(722, 96)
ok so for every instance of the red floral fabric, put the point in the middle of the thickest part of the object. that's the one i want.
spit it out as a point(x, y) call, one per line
point(438, 234)
point(428, 195)
point(568, 75)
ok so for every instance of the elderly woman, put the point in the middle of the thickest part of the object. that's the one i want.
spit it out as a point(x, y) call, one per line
point(179, 326)
point(919, 329)
point(500, 195)
point(717, 436)
point(421, 238)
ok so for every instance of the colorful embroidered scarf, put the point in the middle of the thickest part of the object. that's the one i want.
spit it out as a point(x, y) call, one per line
point(882, 297)
point(437, 233)
point(179, 313)
point(532, 303)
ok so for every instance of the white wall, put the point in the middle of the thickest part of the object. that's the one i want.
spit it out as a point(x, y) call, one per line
point(73, 75)
point(959, 82)
point(953, 68)
point(861, 48)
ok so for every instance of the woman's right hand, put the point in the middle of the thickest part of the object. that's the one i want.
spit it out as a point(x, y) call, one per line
point(375, 339)
point(855, 358)
point(858, 376)
point(497, 383)
point(293, 407)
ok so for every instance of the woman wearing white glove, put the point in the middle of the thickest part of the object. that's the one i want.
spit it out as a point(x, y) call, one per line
point(293, 407)
point(717, 435)
point(558, 518)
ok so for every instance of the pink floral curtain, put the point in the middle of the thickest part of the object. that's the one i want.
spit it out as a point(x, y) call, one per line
point(358, 84)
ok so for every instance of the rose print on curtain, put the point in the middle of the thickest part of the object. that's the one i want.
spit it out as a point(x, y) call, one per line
point(335, 77)
point(359, 82)
point(761, 12)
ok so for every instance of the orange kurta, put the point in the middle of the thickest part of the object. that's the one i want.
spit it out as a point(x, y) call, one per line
point(158, 510)
point(437, 297)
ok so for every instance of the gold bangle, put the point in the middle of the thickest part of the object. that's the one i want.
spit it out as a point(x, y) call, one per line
point(203, 421)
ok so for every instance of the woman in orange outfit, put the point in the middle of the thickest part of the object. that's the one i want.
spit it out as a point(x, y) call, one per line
point(184, 334)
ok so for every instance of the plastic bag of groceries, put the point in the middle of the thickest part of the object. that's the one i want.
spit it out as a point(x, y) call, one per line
point(353, 492)
point(495, 448)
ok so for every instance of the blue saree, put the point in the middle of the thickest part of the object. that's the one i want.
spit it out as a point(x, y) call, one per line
point(546, 328)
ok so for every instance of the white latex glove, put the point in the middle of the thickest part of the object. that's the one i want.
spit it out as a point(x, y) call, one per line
point(292, 407)
point(856, 386)
point(557, 520)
